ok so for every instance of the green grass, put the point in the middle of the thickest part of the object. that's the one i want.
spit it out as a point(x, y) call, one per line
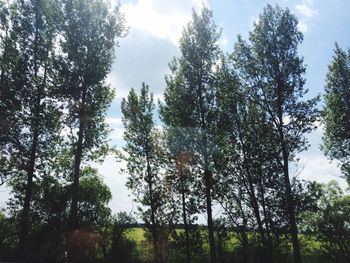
point(136, 234)
point(309, 245)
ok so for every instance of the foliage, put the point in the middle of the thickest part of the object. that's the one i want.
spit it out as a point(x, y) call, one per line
point(335, 113)
point(145, 158)
point(8, 238)
point(330, 222)
point(233, 123)
point(272, 73)
point(190, 102)
point(10, 93)
point(90, 33)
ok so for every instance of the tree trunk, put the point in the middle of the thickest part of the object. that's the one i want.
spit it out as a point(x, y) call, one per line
point(245, 253)
point(188, 253)
point(285, 155)
point(220, 251)
point(255, 206)
point(208, 188)
point(290, 204)
point(207, 177)
point(243, 230)
point(73, 216)
point(278, 251)
point(253, 198)
point(268, 234)
point(24, 223)
point(155, 238)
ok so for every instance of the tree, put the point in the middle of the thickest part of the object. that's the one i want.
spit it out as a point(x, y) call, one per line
point(336, 112)
point(334, 231)
point(143, 161)
point(121, 247)
point(89, 38)
point(94, 196)
point(27, 76)
point(189, 99)
point(9, 93)
point(94, 216)
point(272, 72)
point(179, 170)
point(8, 233)
point(49, 214)
point(250, 176)
point(329, 222)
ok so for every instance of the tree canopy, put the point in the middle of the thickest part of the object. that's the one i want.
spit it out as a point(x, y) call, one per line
point(209, 167)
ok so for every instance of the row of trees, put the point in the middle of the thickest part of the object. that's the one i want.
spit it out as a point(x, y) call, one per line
point(54, 58)
point(233, 123)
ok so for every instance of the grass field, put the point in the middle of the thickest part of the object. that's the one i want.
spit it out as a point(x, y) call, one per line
point(309, 245)
point(136, 234)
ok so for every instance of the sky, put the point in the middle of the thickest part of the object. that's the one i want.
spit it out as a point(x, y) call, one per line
point(155, 27)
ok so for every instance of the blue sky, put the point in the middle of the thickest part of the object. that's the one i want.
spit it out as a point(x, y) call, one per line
point(155, 27)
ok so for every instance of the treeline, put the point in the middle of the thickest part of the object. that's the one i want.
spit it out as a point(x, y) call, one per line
point(54, 58)
point(231, 126)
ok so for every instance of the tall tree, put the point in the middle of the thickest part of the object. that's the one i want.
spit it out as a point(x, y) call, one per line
point(179, 176)
point(242, 132)
point(330, 221)
point(9, 95)
point(143, 162)
point(50, 209)
point(336, 112)
point(89, 36)
point(34, 29)
point(189, 98)
point(272, 71)
point(10, 100)
point(245, 158)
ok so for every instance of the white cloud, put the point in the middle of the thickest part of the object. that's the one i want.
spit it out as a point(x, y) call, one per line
point(115, 179)
point(163, 19)
point(117, 128)
point(302, 27)
point(305, 10)
point(158, 97)
point(114, 121)
point(4, 195)
point(314, 165)
point(117, 134)
point(223, 41)
point(253, 20)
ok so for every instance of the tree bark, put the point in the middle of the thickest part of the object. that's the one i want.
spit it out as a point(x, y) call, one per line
point(155, 238)
point(73, 216)
point(188, 253)
point(207, 177)
point(207, 173)
point(268, 234)
point(24, 222)
point(251, 191)
point(245, 254)
point(285, 164)
point(290, 199)
point(255, 206)
point(24, 229)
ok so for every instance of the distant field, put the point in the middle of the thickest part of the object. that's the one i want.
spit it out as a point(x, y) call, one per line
point(309, 245)
point(136, 234)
